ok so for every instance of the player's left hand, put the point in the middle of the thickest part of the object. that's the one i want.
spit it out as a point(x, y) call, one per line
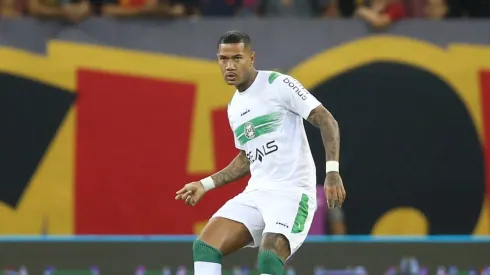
point(334, 190)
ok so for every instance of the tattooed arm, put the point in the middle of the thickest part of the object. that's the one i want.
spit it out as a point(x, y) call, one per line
point(297, 99)
point(238, 168)
point(333, 187)
point(193, 192)
point(323, 119)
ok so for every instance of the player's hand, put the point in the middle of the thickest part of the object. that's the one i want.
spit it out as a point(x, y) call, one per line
point(334, 190)
point(191, 193)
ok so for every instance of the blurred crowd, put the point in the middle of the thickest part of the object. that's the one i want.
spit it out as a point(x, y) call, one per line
point(379, 13)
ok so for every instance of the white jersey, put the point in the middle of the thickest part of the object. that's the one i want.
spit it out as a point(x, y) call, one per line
point(267, 122)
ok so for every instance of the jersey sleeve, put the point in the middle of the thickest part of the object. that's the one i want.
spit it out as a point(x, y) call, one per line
point(295, 97)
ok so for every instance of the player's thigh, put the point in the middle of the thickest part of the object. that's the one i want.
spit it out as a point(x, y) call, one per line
point(235, 225)
point(288, 218)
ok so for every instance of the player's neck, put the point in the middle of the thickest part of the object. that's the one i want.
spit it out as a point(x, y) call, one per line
point(243, 87)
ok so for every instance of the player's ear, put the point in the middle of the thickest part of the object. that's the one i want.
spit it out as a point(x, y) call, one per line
point(252, 58)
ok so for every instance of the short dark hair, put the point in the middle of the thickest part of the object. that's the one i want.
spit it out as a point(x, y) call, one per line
point(232, 37)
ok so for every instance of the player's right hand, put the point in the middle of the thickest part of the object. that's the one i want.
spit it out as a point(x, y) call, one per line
point(191, 193)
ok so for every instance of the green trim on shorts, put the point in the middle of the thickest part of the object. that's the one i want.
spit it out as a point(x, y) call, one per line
point(301, 216)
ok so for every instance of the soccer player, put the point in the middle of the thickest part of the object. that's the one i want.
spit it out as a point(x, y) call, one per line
point(276, 209)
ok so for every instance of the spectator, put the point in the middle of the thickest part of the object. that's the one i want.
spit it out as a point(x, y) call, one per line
point(54, 9)
point(136, 8)
point(220, 8)
point(252, 8)
point(415, 8)
point(347, 8)
point(327, 8)
point(75, 12)
point(382, 13)
point(11, 8)
point(189, 7)
point(435, 9)
point(295, 8)
point(113, 8)
point(468, 8)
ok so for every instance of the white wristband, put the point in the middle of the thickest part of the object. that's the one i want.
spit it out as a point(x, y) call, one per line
point(332, 166)
point(208, 183)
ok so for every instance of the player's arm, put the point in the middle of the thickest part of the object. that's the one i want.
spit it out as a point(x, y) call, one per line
point(329, 129)
point(238, 168)
point(298, 100)
point(192, 192)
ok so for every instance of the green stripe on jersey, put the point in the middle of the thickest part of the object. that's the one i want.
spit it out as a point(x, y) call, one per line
point(273, 77)
point(257, 127)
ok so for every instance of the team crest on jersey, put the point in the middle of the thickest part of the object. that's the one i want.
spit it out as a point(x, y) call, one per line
point(249, 130)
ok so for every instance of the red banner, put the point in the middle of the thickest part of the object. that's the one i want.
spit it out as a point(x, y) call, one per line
point(132, 150)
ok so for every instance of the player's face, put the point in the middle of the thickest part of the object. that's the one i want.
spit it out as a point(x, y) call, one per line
point(235, 61)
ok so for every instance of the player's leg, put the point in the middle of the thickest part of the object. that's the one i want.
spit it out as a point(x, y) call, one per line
point(274, 250)
point(236, 225)
point(288, 219)
point(220, 237)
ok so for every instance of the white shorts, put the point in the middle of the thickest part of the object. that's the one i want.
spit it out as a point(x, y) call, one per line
point(270, 211)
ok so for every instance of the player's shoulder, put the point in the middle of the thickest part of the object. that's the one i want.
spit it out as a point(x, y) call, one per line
point(274, 77)
point(281, 80)
point(284, 84)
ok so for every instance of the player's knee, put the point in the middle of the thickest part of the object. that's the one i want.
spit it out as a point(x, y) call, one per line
point(203, 252)
point(270, 263)
point(277, 243)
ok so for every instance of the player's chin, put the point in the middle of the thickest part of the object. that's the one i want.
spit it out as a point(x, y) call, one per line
point(231, 82)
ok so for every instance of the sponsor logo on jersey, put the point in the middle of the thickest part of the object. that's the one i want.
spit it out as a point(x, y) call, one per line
point(245, 112)
point(260, 153)
point(282, 224)
point(297, 88)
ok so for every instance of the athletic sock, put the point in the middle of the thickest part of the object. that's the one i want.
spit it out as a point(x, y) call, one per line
point(270, 264)
point(207, 259)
